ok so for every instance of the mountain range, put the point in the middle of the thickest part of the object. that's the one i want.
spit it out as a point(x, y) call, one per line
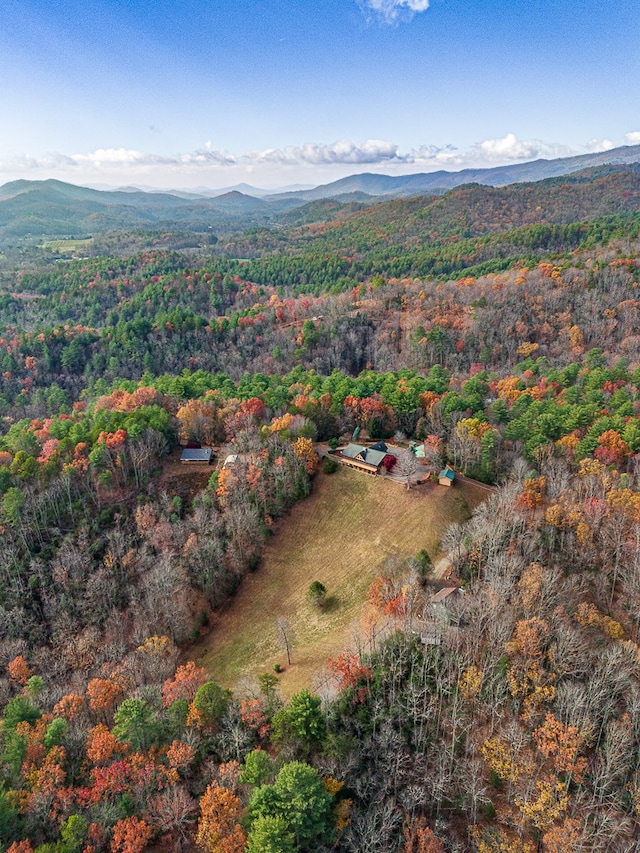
point(37, 210)
point(499, 176)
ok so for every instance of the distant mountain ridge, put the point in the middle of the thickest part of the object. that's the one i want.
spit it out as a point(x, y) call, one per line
point(37, 210)
point(498, 176)
point(51, 208)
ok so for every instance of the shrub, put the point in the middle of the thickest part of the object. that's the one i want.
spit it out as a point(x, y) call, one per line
point(330, 465)
point(317, 593)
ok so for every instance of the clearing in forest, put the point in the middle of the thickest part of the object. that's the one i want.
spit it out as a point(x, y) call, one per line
point(341, 535)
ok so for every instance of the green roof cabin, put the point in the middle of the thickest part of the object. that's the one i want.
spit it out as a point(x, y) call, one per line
point(446, 476)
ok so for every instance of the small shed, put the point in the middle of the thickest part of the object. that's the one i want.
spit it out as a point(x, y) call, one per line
point(446, 476)
point(417, 449)
point(230, 461)
point(194, 455)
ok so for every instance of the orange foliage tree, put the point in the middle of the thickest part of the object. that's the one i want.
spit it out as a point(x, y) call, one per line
point(350, 672)
point(184, 683)
point(562, 744)
point(102, 744)
point(219, 828)
point(130, 835)
point(529, 676)
point(103, 693)
point(418, 838)
point(18, 670)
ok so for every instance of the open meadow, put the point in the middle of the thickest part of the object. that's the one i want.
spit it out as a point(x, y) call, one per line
point(341, 535)
point(70, 245)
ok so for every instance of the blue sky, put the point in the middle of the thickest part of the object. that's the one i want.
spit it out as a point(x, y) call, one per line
point(213, 93)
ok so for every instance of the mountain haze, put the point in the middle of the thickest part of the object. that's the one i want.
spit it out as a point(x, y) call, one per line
point(405, 185)
point(37, 210)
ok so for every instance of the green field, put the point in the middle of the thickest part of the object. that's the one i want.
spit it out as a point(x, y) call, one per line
point(342, 535)
point(68, 245)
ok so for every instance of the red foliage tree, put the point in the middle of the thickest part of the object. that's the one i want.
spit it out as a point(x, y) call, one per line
point(184, 683)
point(350, 672)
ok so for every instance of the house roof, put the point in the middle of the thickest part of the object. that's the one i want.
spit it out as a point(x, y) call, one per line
point(447, 472)
point(442, 594)
point(368, 455)
point(352, 450)
point(374, 457)
point(199, 454)
point(379, 445)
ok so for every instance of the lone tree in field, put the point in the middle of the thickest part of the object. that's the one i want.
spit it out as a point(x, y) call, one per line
point(407, 466)
point(286, 637)
point(421, 564)
point(317, 594)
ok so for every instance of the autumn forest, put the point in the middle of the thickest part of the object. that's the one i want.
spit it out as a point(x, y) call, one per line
point(496, 328)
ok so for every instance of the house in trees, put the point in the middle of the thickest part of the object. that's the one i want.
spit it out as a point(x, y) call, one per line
point(443, 594)
point(441, 601)
point(446, 476)
point(196, 455)
point(363, 458)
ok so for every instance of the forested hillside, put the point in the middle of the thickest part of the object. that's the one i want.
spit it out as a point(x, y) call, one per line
point(498, 328)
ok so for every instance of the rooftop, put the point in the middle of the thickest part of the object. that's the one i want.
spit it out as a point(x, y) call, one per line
point(200, 454)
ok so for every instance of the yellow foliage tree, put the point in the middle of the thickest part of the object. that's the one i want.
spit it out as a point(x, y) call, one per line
point(498, 841)
point(528, 676)
point(305, 451)
point(550, 803)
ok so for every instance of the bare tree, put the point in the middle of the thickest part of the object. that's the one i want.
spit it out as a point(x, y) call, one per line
point(286, 636)
point(407, 466)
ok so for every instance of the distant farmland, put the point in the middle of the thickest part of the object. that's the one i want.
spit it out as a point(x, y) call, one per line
point(68, 245)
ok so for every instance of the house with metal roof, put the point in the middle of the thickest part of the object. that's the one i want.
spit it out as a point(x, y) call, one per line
point(191, 455)
point(367, 459)
point(446, 476)
point(445, 593)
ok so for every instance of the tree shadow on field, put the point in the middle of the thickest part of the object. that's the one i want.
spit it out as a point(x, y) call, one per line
point(330, 604)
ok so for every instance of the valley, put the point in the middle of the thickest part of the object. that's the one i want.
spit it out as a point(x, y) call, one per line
point(148, 609)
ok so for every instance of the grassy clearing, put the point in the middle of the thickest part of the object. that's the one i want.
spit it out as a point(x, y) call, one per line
point(69, 245)
point(341, 535)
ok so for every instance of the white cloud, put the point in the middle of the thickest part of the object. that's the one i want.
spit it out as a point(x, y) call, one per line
point(487, 153)
point(595, 146)
point(109, 159)
point(318, 162)
point(310, 154)
point(509, 148)
point(391, 10)
point(318, 153)
point(208, 155)
point(632, 138)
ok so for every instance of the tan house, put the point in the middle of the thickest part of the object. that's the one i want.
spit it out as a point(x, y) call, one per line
point(446, 476)
point(363, 458)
